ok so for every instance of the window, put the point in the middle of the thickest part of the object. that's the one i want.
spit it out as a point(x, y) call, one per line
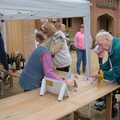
point(67, 22)
point(64, 21)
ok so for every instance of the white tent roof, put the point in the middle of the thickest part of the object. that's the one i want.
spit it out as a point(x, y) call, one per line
point(35, 9)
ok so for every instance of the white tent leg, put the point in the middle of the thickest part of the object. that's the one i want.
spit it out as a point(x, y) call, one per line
point(87, 44)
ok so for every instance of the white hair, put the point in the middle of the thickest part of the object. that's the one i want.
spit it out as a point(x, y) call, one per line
point(103, 35)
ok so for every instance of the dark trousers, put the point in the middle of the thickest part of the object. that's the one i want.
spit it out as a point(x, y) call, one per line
point(65, 69)
point(100, 62)
point(81, 57)
point(26, 90)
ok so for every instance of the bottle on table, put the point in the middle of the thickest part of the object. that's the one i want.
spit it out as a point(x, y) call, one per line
point(100, 76)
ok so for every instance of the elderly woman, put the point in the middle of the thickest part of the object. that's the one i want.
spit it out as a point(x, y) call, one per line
point(111, 68)
point(40, 64)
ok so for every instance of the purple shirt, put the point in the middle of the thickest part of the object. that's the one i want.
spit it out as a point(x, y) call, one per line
point(48, 67)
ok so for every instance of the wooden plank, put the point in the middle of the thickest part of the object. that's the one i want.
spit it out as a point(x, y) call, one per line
point(52, 112)
point(32, 106)
point(93, 93)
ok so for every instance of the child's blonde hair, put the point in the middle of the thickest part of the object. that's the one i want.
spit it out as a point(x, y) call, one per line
point(48, 27)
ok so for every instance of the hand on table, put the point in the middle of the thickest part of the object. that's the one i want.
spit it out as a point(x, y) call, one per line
point(94, 76)
point(69, 82)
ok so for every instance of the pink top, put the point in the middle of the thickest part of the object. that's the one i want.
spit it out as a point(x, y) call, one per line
point(48, 67)
point(79, 40)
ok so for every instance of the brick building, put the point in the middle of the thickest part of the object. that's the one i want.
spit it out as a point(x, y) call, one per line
point(105, 14)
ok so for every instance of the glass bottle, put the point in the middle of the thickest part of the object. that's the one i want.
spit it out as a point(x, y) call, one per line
point(100, 76)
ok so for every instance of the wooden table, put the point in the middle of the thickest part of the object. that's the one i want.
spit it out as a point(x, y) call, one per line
point(31, 106)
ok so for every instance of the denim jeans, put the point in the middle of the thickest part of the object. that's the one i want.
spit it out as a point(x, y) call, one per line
point(81, 57)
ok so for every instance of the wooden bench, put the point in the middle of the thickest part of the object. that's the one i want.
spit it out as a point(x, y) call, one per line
point(32, 106)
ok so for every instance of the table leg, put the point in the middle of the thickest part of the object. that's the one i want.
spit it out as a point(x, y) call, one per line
point(109, 107)
point(118, 110)
point(78, 116)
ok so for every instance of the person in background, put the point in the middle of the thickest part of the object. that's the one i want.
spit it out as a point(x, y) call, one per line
point(3, 55)
point(79, 44)
point(61, 29)
point(111, 68)
point(58, 46)
point(98, 50)
point(40, 64)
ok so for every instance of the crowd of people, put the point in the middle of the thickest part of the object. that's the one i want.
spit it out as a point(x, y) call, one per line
point(52, 53)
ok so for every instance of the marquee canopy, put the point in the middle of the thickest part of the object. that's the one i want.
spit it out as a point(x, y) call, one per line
point(35, 9)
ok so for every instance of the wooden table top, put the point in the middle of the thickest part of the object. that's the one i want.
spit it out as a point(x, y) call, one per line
point(32, 106)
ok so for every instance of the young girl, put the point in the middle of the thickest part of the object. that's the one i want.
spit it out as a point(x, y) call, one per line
point(58, 46)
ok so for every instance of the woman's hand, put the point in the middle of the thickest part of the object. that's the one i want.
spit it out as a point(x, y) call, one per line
point(94, 77)
point(69, 82)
